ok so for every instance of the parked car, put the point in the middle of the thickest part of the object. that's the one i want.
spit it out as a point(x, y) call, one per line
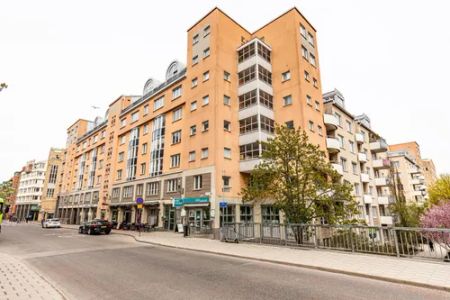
point(51, 223)
point(95, 227)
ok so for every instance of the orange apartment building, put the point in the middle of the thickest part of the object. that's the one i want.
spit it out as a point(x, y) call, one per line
point(190, 141)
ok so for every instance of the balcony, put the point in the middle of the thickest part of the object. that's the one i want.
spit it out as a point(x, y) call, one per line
point(386, 220)
point(333, 145)
point(382, 181)
point(367, 199)
point(362, 157)
point(331, 122)
point(381, 164)
point(365, 177)
point(383, 200)
point(379, 146)
point(246, 166)
point(414, 171)
point(338, 168)
point(359, 138)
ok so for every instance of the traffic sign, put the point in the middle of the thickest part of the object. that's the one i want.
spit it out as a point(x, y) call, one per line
point(223, 204)
point(139, 200)
point(139, 206)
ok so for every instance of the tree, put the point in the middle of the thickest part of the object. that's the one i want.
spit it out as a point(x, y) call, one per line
point(407, 215)
point(3, 86)
point(296, 176)
point(438, 216)
point(440, 190)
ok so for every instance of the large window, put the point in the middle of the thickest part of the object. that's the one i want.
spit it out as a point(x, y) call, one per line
point(152, 188)
point(263, 52)
point(246, 52)
point(249, 151)
point(246, 214)
point(247, 75)
point(248, 124)
point(172, 185)
point(53, 174)
point(127, 192)
point(264, 75)
point(247, 99)
point(270, 214)
point(132, 153)
point(115, 193)
point(157, 146)
point(267, 124)
point(266, 99)
point(228, 214)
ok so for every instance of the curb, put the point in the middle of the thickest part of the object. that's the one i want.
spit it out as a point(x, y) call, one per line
point(330, 270)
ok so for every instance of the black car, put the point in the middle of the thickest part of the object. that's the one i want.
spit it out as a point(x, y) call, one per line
point(96, 227)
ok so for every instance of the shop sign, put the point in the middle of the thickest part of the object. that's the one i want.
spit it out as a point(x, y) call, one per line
point(177, 202)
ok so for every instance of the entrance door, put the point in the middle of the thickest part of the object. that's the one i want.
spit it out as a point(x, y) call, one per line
point(169, 217)
point(199, 220)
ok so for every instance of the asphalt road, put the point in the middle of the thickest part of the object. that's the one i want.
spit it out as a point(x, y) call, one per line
point(117, 267)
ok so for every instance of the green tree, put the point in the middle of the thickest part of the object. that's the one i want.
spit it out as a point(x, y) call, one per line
point(296, 176)
point(440, 190)
point(6, 190)
point(3, 86)
point(406, 215)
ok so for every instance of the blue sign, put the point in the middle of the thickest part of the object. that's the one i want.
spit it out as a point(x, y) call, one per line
point(139, 200)
point(177, 202)
point(223, 204)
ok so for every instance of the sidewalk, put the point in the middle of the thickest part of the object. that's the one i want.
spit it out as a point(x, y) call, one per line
point(18, 281)
point(400, 270)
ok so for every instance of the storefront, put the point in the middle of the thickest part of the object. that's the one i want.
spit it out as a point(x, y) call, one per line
point(197, 211)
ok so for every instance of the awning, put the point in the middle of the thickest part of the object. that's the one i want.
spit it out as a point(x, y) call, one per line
point(193, 201)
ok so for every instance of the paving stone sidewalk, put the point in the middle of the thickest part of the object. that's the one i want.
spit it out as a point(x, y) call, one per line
point(18, 281)
point(402, 270)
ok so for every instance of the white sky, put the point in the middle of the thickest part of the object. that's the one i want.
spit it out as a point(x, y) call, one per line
point(390, 59)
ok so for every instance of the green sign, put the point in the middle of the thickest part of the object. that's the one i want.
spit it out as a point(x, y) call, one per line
point(177, 202)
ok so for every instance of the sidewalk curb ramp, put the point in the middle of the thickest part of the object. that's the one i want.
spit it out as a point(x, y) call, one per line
point(330, 270)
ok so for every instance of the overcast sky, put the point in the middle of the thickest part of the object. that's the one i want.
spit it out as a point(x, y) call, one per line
point(390, 59)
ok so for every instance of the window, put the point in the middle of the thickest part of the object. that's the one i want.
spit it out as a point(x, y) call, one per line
point(192, 156)
point(248, 124)
point(227, 215)
point(306, 76)
point(50, 192)
point(194, 82)
point(290, 124)
point(206, 76)
point(303, 31)
point(176, 92)
point(267, 124)
point(246, 214)
point(226, 100)
point(286, 76)
point(357, 191)
point(123, 122)
point(134, 116)
point(152, 188)
point(139, 189)
point(338, 116)
point(263, 52)
point(175, 161)
point(352, 146)
point(206, 100)
point(287, 100)
point(119, 174)
point(265, 99)
point(226, 76)
point(270, 214)
point(206, 30)
point(143, 167)
point(121, 155)
point(177, 113)
point(193, 105)
point(206, 52)
point(145, 129)
point(319, 130)
point(195, 39)
point(205, 153)
point(115, 193)
point(308, 100)
point(205, 125)
point(341, 141)
point(310, 39)
point(247, 99)
point(226, 183)
point(311, 125)
point(193, 130)
point(100, 164)
point(247, 75)
point(304, 53)
point(176, 137)
point(354, 168)
point(127, 191)
point(172, 185)
point(144, 148)
point(198, 182)
point(349, 126)
point(264, 75)
point(95, 139)
point(246, 52)
point(158, 103)
point(195, 60)
point(249, 151)
point(227, 153)
point(315, 83)
point(344, 164)
point(312, 59)
point(226, 125)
